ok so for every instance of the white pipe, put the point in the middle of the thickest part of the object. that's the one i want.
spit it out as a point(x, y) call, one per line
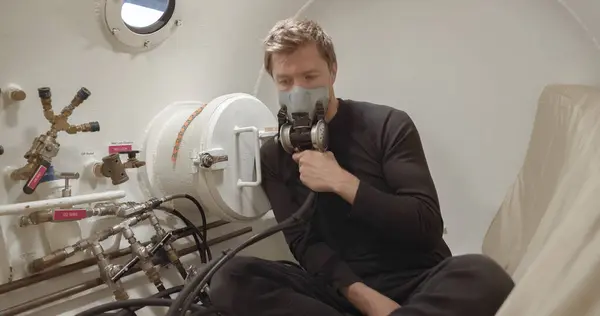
point(19, 208)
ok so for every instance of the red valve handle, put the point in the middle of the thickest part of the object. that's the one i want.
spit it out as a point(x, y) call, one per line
point(35, 179)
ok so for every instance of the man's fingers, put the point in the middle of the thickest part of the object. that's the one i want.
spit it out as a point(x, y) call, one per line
point(298, 156)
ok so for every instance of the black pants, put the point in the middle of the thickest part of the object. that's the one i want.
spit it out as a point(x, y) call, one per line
point(469, 285)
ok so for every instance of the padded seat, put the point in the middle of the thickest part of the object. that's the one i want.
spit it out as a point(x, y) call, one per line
point(547, 231)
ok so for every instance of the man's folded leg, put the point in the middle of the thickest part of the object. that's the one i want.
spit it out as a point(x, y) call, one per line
point(252, 286)
point(459, 286)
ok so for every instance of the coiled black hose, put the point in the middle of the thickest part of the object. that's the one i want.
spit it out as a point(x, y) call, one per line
point(190, 291)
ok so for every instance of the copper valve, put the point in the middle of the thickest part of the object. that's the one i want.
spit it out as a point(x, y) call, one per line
point(112, 167)
point(45, 147)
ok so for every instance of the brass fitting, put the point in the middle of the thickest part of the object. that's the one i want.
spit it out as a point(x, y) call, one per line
point(57, 256)
point(112, 167)
point(45, 147)
point(17, 95)
point(42, 150)
point(36, 218)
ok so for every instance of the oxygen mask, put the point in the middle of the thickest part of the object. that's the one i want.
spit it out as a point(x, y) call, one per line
point(301, 119)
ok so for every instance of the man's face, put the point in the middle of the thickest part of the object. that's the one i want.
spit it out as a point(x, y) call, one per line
point(305, 68)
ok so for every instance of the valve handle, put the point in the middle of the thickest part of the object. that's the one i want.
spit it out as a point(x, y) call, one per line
point(130, 154)
point(35, 179)
point(68, 175)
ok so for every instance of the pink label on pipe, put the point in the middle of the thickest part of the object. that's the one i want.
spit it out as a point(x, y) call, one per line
point(37, 177)
point(69, 214)
point(115, 149)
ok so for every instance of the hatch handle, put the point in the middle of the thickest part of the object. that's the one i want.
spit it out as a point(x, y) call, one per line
point(240, 183)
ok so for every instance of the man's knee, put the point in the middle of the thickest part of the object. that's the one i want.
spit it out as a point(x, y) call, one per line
point(235, 268)
point(232, 278)
point(485, 273)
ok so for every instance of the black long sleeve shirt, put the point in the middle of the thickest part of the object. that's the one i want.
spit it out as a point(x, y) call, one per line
point(394, 224)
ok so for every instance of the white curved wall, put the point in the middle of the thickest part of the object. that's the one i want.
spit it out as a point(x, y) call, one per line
point(469, 72)
point(63, 44)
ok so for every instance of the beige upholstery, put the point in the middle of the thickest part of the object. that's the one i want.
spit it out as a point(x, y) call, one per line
point(547, 231)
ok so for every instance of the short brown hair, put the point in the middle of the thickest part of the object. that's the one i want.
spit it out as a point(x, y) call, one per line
point(289, 34)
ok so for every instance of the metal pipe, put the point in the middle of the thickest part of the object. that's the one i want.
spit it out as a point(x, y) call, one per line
point(19, 208)
point(87, 285)
point(60, 271)
point(52, 297)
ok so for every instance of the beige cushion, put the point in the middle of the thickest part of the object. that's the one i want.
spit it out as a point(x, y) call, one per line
point(547, 231)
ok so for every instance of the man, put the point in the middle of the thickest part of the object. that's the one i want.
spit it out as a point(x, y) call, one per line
point(374, 246)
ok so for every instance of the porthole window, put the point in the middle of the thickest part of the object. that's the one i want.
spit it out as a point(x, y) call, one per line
point(142, 24)
point(146, 16)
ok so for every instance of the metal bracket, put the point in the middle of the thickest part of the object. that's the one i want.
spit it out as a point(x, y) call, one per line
point(267, 133)
point(212, 159)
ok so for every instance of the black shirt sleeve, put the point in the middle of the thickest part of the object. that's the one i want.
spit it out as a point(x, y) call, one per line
point(410, 213)
point(305, 244)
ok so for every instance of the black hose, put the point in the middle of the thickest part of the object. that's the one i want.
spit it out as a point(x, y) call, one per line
point(196, 233)
point(142, 302)
point(200, 209)
point(191, 290)
point(162, 294)
point(202, 246)
point(203, 215)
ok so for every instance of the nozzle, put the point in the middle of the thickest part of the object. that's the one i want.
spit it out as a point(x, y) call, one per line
point(83, 93)
point(44, 92)
point(87, 127)
point(94, 127)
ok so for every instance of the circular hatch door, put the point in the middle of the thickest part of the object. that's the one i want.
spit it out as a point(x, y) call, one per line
point(230, 156)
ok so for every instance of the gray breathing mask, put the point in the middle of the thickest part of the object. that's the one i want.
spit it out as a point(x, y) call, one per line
point(301, 119)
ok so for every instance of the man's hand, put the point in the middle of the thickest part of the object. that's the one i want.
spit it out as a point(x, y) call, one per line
point(319, 171)
point(369, 301)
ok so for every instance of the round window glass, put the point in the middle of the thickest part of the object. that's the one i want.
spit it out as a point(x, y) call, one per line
point(146, 16)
